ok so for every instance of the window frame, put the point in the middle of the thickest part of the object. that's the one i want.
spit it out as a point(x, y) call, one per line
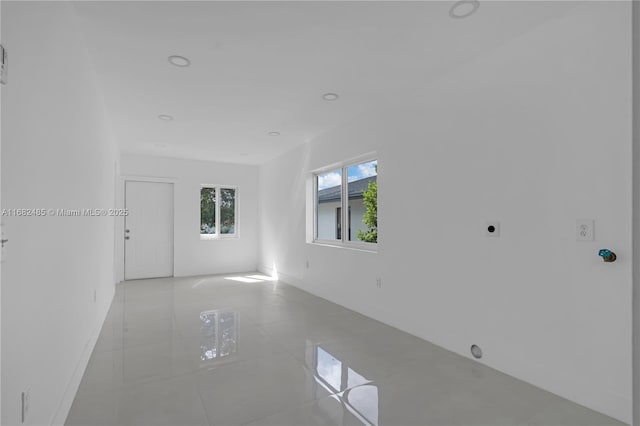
point(218, 235)
point(343, 242)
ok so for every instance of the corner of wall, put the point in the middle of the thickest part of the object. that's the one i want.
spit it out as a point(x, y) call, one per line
point(635, 394)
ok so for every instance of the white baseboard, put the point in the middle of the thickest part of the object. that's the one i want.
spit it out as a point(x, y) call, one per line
point(69, 395)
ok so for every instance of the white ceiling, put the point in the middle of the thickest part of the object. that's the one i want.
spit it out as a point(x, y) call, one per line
point(258, 67)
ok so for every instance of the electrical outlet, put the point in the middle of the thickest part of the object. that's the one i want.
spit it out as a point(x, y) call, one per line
point(585, 230)
point(379, 282)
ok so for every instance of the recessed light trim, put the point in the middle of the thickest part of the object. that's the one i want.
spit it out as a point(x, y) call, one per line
point(330, 96)
point(179, 61)
point(165, 117)
point(274, 133)
point(464, 8)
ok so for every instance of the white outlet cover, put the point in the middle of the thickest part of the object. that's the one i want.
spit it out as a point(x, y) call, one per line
point(585, 230)
point(496, 228)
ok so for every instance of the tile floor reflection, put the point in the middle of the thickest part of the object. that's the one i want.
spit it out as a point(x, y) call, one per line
point(356, 393)
point(243, 349)
point(219, 334)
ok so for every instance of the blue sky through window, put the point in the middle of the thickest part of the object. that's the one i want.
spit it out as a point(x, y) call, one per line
point(356, 172)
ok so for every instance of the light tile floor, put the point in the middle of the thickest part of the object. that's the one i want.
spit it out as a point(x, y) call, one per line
point(217, 351)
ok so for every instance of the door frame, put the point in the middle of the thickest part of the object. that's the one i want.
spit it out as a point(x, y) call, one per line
point(635, 210)
point(120, 221)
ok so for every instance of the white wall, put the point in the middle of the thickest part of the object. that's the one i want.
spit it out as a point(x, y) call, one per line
point(327, 217)
point(193, 256)
point(1, 221)
point(56, 153)
point(636, 214)
point(357, 213)
point(536, 135)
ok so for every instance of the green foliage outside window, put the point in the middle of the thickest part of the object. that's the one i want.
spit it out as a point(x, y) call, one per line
point(227, 211)
point(208, 211)
point(370, 217)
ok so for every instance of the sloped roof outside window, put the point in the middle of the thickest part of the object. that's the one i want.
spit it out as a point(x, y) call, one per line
point(356, 188)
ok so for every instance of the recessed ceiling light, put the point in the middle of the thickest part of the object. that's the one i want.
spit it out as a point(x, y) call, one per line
point(330, 96)
point(179, 61)
point(463, 8)
point(165, 117)
point(274, 133)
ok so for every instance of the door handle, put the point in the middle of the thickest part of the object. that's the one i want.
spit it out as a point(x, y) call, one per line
point(3, 241)
point(127, 237)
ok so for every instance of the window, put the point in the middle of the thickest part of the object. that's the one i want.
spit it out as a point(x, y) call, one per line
point(354, 185)
point(227, 211)
point(207, 211)
point(329, 205)
point(218, 212)
point(362, 200)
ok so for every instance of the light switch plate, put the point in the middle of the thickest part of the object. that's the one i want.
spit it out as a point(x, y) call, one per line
point(585, 230)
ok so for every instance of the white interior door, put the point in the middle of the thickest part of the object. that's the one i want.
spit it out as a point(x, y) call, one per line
point(148, 248)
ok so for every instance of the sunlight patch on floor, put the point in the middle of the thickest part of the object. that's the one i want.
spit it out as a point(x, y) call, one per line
point(243, 279)
point(257, 278)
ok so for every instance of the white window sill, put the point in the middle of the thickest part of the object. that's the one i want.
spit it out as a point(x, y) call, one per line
point(204, 237)
point(365, 247)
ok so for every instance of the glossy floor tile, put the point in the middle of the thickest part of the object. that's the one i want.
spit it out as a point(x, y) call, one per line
point(242, 349)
